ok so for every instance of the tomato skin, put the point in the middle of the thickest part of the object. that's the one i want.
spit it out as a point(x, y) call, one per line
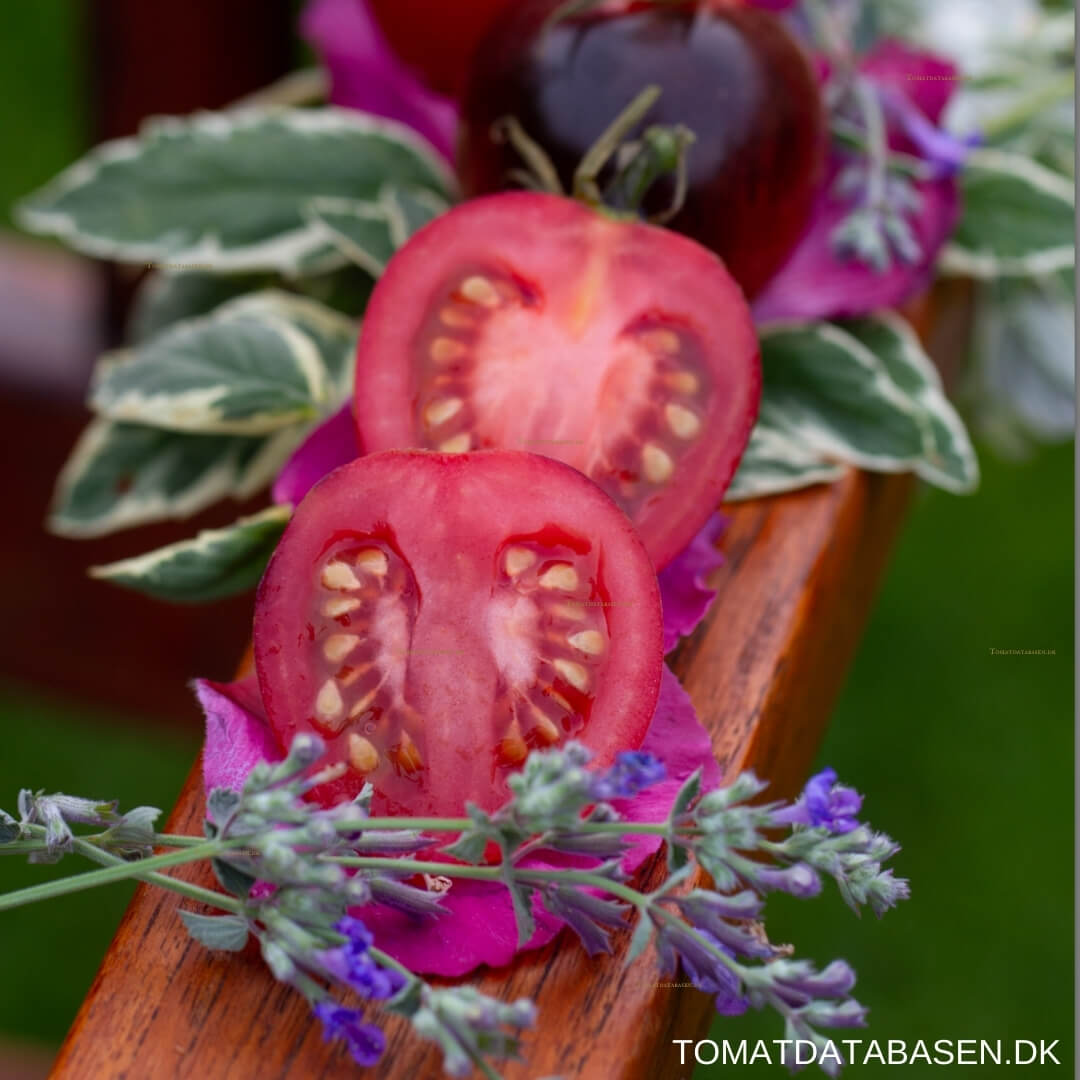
point(437, 38)
point(733, 74)
point(554, 380)
point(445, 522)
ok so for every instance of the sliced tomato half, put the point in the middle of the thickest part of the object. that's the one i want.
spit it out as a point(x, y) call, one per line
point(528, 321)
point(435, 616)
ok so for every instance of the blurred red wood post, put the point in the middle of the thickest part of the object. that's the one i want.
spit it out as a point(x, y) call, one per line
point(63, 631)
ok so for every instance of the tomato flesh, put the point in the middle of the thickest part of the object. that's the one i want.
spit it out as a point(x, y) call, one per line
point(435, 617)
point(528, 321)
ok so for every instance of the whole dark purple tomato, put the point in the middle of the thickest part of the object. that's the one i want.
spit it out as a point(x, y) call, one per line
point(732, 74)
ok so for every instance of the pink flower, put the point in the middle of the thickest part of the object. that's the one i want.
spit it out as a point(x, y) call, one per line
point(914, 88)
point(365, 74)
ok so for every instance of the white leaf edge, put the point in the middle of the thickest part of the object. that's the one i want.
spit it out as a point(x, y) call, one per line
point(958, 261)
point(194, 410)
point(286, 253)
point(141, 567)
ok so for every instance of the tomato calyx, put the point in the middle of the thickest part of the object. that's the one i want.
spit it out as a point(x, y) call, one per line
point(661, 150)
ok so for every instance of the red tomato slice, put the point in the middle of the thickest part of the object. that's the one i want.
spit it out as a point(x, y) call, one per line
point(528, 321)
point(434, 616)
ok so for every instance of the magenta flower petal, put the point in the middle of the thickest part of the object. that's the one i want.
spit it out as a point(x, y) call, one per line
point(926, 80)
point(814, 284)
point(678, 739)
point(365, 74)
point(478, 927)
point(331, 444)
point(684, 595)
point(237, 734)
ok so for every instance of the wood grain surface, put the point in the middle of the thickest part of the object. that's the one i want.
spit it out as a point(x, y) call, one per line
point(798, 582)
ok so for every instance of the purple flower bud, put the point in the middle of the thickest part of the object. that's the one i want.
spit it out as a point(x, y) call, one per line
point(800, 880)
point(848, 1013)
point(360, 973)
point(587, 914)
point(406, 898)
point(360, 937)
point(707, 971)
point(823, 804)
point(798, 983)
point(710, 912)
point(366, 1042)
point(632, 772)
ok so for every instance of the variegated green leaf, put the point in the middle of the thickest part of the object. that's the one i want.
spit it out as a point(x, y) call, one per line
point(214, 564)
point(224, 191)
point(334, 334)
point(163, 299)
point(864, 394)
point(774, 462)
point(835, 397)
point(123, 475)
point(237, 371)
point(948, 459)
point(368, 233)
point(410, 209)
point(1018, 219)
point(360, 230)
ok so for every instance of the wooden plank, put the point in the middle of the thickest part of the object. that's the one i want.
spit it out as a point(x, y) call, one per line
point(763, 670)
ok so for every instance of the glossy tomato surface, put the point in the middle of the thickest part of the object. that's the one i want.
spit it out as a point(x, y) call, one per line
point(530, 322)
point(436, 38)
point(732, 74)
point(434, 616)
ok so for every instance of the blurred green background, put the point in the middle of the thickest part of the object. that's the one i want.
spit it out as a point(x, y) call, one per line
point(964, 757)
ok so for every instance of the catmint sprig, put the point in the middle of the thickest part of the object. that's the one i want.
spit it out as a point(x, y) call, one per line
point(298, 877)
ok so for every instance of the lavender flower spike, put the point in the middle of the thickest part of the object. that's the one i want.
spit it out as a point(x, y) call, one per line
point(823, 804)
point(366, 1042)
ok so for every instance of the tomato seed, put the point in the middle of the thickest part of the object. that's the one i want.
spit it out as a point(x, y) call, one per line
point(560, 576)
point(363, 756)
point(444, 349)
point(588, 641)
point(684, 423)
point(658, 464)
point(459, 444)
point(480, 291)
point(336, 575)
point(438, 412)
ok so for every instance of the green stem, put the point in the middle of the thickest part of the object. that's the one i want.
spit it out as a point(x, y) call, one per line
point(421, 824)
point(596, 157)
point(877, 148)
point(492, 873)
point(184, 888)
point(177, 840)
point(118, 871)
point(22, 847)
